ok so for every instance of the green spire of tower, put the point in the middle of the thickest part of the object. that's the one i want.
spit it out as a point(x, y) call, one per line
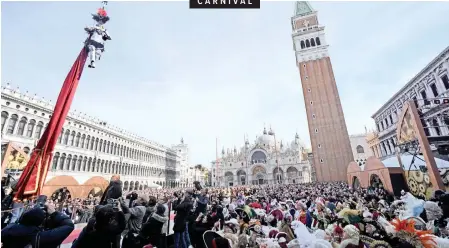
point(303, 8)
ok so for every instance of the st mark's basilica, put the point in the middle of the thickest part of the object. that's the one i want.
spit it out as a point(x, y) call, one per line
point(265, 161)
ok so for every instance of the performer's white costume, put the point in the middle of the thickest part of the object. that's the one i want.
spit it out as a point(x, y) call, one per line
point(97, 36)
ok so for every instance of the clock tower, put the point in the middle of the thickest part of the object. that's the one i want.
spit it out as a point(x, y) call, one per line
point(331, 147)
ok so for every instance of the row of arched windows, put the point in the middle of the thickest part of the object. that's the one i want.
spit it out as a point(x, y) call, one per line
point(22, 128)
point(76, 139)
point(138, 186)
point(88, 164)
point(310, 42)
point(31, 129)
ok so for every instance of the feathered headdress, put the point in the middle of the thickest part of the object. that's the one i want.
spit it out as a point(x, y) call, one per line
point(405, 231)
point(101, 16)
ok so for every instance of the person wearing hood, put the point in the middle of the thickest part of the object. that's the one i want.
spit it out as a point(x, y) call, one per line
point(102, 231)
point(113, 191)
point(152, 230)
point(135, 219)
point(163, 242)
point(29, 231)
point(151, 208)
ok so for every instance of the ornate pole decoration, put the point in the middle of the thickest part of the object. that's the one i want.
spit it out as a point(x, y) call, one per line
point(35, 173)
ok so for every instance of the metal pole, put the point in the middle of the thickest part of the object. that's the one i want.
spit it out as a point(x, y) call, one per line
point(246, 161)
point(277, 160)
point(216, 161)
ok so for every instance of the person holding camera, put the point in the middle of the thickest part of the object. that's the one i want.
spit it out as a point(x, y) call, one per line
point(103, 231)
point(135, 216)
point(38, 227)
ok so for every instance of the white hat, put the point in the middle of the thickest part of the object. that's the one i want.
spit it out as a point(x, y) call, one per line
point(232, 221)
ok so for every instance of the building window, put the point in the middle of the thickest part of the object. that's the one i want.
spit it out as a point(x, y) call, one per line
point(303, 45)
point(77, 139)
point(309, 90)
point(307, 43)
point(382, 124)
point(22, 123)
point(66, 137)
point(38, 132)
point(312, 42)
point(316, 130)
point(55, 161)
point(445, 80)
point(434, 89)
point(30, 128)
point(71, 138)
point(311, 102)
point(321, 160)
point(313, 116)
point(304, 65)
point(307, 77)
point(4, 117)
point(360, 149)
point(319, 145)
point(391, 119)
point(436, 126)
point(318, 42)
point(424, 97)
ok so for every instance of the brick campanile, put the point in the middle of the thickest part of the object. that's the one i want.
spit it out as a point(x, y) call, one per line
point(327, 127)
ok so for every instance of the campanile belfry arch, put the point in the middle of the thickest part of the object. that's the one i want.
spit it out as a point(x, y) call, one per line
point(327, 127)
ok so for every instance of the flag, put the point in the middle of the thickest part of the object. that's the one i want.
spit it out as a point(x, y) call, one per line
point(33, 177)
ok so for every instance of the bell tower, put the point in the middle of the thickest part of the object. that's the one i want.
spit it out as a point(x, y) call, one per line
point(331, 147)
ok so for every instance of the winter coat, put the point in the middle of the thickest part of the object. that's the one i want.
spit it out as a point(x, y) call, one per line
point(136, 214)
point(166, 214)
point(152, 230)
point(90, 237)
point(113, 191)
point(27, 231)
point(182, 212)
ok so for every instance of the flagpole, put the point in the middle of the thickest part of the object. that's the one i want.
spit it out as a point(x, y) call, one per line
point(216, 160)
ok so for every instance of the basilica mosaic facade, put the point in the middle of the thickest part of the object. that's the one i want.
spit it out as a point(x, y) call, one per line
point(266, 161)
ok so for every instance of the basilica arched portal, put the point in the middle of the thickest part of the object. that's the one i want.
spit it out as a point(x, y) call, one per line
point(259, 175)
point(229, 179)
point(278, 175)
point(292, 175)
point(241, 177)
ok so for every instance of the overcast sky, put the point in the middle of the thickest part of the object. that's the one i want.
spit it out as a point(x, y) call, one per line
point(171, 72)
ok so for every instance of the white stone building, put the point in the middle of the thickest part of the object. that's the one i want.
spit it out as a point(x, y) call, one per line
point(263, 162)
point(87, 147)
point(430, 83)
point(360, 148)
point(183, 152)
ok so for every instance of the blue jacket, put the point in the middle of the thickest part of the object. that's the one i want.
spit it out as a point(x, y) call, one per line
point(20, 235)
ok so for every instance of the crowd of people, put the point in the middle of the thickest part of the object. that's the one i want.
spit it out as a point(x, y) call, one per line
point(272, 216)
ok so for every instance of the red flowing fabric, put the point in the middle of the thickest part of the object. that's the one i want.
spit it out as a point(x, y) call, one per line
point(35, 172)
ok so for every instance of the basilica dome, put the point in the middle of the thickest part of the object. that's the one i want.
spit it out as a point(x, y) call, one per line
point(267, 139)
